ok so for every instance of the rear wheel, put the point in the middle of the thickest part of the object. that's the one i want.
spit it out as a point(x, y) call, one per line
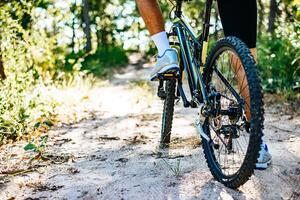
point(233, 148)
point(168, 110)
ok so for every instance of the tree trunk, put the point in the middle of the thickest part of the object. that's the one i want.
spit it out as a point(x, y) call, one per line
point(261, 15)
point(104, 34)
point(73, 27)
point(73, 35)
point(2, 73)
point(272, 16)
point(87, 23)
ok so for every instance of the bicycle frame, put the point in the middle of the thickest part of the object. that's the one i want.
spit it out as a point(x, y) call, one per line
point(182, 29)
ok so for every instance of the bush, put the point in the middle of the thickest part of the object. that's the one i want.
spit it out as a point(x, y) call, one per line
point(279, 63)
point(29, 60)
point(34, 61)
point(22, 107)
point(104, 60)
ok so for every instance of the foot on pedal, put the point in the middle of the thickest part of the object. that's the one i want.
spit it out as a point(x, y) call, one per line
point(166, 65)
point(169, 74)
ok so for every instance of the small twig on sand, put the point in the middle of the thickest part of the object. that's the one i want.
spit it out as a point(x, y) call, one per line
point(173, 157)
point(17, 172)
point(108, 138)
point(281, 129)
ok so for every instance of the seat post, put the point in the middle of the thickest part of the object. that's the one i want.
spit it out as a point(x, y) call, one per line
point(178, 11)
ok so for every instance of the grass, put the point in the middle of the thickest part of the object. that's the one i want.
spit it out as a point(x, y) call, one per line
point(176, 169)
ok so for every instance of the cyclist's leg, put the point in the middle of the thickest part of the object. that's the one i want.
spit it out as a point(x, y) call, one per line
point(167, 59)
point(151, 13)
point(239, 18)
point(153, 18)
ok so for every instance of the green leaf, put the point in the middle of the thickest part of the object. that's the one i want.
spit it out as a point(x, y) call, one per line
point(30, 146)
point(48, 123)
point(37, 125)
point(44, 139)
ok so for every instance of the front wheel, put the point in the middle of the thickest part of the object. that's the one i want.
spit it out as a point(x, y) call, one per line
point(235, 122)
point(168, 111)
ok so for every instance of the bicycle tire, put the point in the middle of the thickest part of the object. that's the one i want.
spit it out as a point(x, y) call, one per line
point(256, 107)
point(168, 112)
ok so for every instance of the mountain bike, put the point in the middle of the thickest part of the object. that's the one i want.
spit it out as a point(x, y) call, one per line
point(217, 82)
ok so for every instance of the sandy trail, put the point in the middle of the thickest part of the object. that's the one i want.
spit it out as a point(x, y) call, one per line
point(113, 154)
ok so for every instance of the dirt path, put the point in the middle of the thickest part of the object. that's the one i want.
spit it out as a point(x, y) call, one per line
point(113, 154)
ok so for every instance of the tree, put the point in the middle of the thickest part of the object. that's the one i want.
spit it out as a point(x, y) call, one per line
point(2, 73)
point(272, 15)
point(261, 15)
point(87, 25)
point(73, 10)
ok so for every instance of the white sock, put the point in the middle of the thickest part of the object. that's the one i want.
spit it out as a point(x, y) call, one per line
point(161, 42)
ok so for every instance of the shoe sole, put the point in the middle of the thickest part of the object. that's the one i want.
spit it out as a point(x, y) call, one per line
point(262, 166)
point(168, 69)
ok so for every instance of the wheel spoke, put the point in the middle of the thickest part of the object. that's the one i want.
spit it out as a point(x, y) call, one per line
point(224, 79)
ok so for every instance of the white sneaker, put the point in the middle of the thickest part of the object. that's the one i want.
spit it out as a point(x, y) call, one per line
point(264, 158)
point(168, 62)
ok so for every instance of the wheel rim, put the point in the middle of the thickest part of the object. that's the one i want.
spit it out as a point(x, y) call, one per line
point(229, 148)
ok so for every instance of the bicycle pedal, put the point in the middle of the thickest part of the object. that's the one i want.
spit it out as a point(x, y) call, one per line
point(167, 76)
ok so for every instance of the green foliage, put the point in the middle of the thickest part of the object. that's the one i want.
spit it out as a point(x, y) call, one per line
point(39, 149)
point(21, 106)
point(279, 55)
point(103, 60)
point(30, 146)
point(279, 62)
point(29, 58)
point(73, 59)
